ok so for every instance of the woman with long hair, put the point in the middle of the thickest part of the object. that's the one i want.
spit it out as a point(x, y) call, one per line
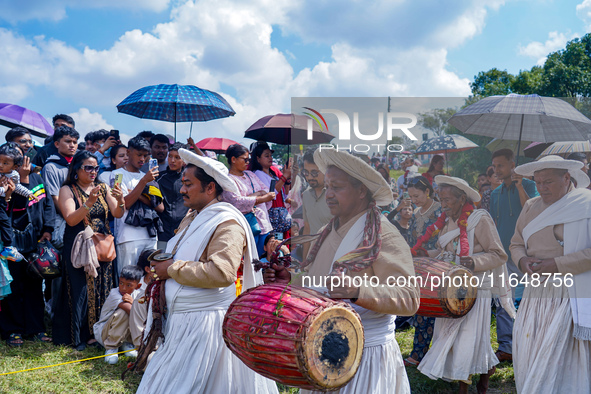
point(435, 168)
point(84, 200)
point(426, 213)
point(118, 159)
point(254, 195)
point(261, 164)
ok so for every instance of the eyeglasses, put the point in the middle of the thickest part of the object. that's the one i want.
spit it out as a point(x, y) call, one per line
point(91, 168)
point(246, 159)
point(314, 173)
point(24, 141)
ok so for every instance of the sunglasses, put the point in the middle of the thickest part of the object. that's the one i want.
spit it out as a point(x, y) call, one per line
point(314, 173)
point(246, 160)
point(91, 168)
point(23, 141)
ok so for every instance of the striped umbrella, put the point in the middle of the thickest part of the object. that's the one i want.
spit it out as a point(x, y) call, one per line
point(563, 147)
point(176, 103)
point(523, 118)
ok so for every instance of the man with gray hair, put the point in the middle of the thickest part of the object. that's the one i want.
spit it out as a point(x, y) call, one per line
point(552, 247)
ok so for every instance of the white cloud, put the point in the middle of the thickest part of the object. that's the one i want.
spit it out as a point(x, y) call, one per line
point(393, 50)
point(539, 51)
point(584, 13)
point(23, 10)
point(87, 121)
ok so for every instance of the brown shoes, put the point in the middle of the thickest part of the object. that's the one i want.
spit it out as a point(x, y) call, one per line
point(502, 356)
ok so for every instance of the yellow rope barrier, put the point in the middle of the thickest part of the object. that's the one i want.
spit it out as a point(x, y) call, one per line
point(69, 362)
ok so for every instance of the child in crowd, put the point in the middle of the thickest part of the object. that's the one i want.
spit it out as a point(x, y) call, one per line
point(139, 309)
point(11, 158)
point(270, 245)
point(112, 330)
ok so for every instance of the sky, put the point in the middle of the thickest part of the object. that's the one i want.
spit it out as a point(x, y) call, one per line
point(83, 57)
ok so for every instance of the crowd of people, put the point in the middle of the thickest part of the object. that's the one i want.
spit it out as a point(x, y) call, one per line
point(131, 220)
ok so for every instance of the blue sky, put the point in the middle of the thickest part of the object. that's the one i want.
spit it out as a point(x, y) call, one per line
point(83, 57)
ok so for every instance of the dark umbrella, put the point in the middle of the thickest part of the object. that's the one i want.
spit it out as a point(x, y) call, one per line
point(12, 115)
point(534, 149)
point(523, 118)
point(176, 103)
point(287, 129)
point(218, 145)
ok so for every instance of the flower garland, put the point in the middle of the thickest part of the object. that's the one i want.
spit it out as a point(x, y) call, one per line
point(436, 227)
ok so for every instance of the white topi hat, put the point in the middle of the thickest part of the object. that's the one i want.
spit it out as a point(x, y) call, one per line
point(358, 169)
point(213, 168)
point(556, 162)
point(460, 184)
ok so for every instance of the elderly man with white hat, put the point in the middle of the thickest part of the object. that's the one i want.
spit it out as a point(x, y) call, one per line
point(461, 347)
point(360, 241)
point(198, 275)
point(552, 245)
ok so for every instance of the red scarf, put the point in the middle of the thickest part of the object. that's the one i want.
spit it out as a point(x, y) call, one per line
point(436, 227)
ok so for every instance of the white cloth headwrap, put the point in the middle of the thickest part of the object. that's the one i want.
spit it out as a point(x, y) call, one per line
point(574, 211)
point(213, 168)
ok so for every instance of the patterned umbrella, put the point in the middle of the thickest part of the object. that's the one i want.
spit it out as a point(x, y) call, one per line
point(497, 144)
point(14, 115)
point(218, 145)
point(176, 103)
point(446, 143)
point(529, 118)
point(563, 147)
point(287, 129)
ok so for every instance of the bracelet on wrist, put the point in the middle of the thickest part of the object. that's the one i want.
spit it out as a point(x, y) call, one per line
point(86, 207)
point(283, 178)
point(122, 205)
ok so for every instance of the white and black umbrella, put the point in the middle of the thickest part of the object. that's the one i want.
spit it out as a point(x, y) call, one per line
point(523, 118)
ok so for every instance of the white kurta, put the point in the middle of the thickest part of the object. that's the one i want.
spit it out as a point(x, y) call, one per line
point(194, 357)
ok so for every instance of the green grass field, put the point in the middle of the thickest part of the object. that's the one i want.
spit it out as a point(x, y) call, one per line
point(95, 376)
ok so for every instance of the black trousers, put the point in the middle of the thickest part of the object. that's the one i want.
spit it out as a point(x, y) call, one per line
point(22, 310)
point(5, 225)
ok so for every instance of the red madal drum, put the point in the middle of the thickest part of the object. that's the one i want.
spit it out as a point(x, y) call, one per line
point(295, 336)
point(446, 289)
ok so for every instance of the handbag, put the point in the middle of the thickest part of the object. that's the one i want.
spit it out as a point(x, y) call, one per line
point(251, 218)
point(104, 244)
point(24, 241)
point(280, 219)
point(45, 263)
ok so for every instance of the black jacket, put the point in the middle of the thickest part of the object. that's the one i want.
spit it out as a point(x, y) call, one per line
point(42, 213)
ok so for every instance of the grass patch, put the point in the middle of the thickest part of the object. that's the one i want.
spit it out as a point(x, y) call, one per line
point(95, 376)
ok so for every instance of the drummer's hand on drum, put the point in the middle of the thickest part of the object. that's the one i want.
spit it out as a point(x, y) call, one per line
point(421, 253)
point(467, 262)
point(343, 291)
point(276, 274)
point(160, 269)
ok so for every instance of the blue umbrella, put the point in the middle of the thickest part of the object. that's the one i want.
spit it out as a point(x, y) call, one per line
point(446, 143)
point(176, 103)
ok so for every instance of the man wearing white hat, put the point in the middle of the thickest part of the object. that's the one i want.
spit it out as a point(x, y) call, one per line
point(199, 276)
point(552, 242)
point(461, 347)
point(360, 241)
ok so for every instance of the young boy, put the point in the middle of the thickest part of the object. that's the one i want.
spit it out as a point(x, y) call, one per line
point(112, 330)
point(139, 309)
point(11, 159)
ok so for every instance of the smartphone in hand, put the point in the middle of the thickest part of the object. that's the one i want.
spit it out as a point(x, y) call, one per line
point(153, 163)
point(272, 187)
point(118, 180)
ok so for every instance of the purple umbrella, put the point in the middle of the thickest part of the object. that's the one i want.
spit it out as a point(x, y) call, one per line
point(12, 115)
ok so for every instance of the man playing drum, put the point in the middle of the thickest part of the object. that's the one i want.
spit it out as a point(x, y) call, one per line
point(461, 347)
point(357, 241)
point(205, 256)
point(552, 245)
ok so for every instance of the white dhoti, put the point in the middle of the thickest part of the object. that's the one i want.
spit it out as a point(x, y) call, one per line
point(194, 357)
point(461, 347)
point(547, 358)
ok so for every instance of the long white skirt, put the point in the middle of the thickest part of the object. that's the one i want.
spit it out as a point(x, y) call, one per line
point(195, 359)
point(461, 347)
point(381, 371)
point(547, 358)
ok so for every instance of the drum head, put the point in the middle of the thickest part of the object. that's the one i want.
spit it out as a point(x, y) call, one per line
point(332, 347)
point(460, 297)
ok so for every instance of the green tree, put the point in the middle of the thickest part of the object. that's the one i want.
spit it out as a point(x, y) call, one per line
point(436, 121)
point(492, 82)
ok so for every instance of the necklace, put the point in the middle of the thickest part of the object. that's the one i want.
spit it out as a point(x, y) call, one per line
point(426, 210)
